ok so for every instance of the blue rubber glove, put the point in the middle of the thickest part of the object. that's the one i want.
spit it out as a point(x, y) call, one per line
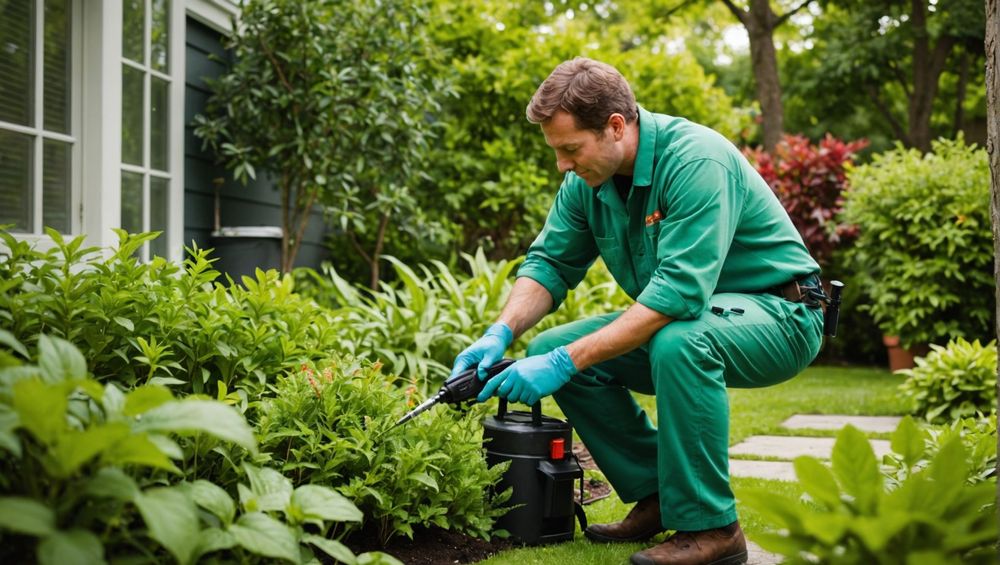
point(532, 378)
point(485, 351)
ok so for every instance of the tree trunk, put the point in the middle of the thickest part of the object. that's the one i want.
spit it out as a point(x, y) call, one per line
point(760, 29)
point(993, 149)
point(928, 64)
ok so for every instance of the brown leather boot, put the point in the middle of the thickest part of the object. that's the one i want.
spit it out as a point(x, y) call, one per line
point(641, 523)
point(721, 546)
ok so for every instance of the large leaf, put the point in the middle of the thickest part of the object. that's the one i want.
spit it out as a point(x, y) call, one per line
point(9, 422)
point(271, 489)
point(908, 441)
point(818, 481)
point(41, 408)
point(74, 448)
point(333, 548)
point(322, 503)
point(26, 516)
point(195, 415)
point(72, 547)
point(856, 468)
point(8, 339)
point(112, 482)
point(213, 498)
point(146, 398)
point(261, 534)
point(172, 519)
point(138, 449)
point(377, 558)
point(60, 360)
point(213, 539)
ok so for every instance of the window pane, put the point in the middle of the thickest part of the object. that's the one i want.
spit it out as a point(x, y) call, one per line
point(159, 36)
point(57, 65)
point(132, 115)
point(133, 28)
point(159, 123)
point(158, 214)
point(15, 180)
point(16, 61)
point(56, 204)
point(131, 202)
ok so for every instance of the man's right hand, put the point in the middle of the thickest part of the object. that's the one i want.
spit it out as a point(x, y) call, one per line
point(485, 351)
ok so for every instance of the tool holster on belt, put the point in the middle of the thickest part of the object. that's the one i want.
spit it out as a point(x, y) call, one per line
point(809, 291)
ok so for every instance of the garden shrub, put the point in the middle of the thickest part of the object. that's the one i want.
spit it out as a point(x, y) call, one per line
point(978, 436)
point(924, 250)
point(809, 180)
point(953, 382)
point(90, 473)
point(157, 322)
point(931, 516)
point(333, 424)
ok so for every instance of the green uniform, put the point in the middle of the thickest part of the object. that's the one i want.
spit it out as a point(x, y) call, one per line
point(700, 228)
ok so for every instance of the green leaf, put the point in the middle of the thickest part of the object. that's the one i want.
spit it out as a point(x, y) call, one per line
point(112, 482)
point(195, 415)
point(9, 422)
point(425, 479)
point(138, 450)
point(818, 481)
point(261, 534)
point(334, 549)
point(908, 441)
point(72, 547)
point(272, 490)
point(213, 539)
point(856, 468)
point(113, 401)
point(322, 503)
point(8, 339)
point(125, 323)
point(146, 398)
point(41, 408)
point(60, 360)
point(74, 448)
point(172, 519)
point(377, 558)
point(26, 516)
point(213, 498)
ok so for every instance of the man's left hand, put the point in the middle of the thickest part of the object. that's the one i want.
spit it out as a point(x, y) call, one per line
point(532, 378)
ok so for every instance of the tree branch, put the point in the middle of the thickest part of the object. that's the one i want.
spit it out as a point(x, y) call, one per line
point(274, 63)
point(742, 16)
point(897, 127)
point(784, 17)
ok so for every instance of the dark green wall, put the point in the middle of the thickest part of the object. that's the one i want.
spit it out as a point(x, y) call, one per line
point(258, 203)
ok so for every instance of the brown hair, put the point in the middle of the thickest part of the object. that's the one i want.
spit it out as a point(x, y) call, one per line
point(589, 90)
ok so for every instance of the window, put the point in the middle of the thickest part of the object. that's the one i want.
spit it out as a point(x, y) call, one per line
point(145, 124)
point(39, 115)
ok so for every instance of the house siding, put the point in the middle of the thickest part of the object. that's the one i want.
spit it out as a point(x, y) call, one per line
point(256, 204)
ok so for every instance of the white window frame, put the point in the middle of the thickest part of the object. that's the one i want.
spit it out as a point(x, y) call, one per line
point(39, 134)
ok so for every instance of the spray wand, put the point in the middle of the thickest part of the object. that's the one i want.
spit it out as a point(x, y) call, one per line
point(460, 388)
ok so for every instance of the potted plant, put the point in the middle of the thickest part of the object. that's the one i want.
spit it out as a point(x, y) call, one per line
point(924, 252)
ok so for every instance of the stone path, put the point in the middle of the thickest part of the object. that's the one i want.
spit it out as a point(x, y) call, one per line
point(781, 450)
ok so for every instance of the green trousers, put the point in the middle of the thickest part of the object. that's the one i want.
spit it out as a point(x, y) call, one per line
point(687, 365)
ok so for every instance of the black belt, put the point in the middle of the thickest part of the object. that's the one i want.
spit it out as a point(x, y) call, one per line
point(806, 289)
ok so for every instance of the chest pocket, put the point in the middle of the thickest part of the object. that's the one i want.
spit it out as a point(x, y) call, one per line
point(619, 262)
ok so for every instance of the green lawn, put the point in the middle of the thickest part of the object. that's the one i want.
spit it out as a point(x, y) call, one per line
point(818, 390)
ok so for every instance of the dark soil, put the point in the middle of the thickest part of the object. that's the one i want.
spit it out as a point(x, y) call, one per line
point(435, 546)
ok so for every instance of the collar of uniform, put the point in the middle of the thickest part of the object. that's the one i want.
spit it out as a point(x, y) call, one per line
point(642, 170)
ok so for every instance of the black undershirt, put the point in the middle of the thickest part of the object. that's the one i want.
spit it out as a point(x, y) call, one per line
point(624, 185)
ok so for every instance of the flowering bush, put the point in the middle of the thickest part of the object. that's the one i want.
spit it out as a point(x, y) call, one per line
point(809, 180)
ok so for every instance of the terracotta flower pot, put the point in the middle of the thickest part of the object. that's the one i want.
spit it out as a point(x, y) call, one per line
point(899, 357)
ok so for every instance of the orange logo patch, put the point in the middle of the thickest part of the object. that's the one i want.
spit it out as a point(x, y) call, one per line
point(653, 218)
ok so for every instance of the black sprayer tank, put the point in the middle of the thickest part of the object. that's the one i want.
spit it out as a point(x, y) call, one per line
point(542, 473)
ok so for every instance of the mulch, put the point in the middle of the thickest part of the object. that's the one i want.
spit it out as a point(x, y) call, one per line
point(436, 546)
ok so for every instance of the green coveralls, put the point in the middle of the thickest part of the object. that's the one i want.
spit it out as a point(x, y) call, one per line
point(700, 228)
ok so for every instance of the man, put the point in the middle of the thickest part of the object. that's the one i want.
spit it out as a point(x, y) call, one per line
point(697, 238)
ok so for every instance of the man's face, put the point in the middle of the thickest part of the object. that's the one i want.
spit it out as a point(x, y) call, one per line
point(594, 158)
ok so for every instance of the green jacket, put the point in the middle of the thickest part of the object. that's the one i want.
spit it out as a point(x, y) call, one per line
point(699, 220)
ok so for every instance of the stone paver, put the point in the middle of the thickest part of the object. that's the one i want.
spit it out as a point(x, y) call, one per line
point(790, 447)
point(776, 470)
point(756, 555)
point(835, 422)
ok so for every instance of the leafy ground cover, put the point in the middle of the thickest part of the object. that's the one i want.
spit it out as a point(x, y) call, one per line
point(818, 390)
